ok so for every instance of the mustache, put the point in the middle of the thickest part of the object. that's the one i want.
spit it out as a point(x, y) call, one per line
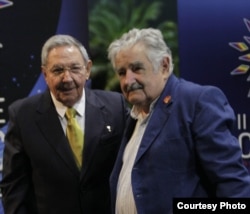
point(66, 86)
point(133, 87)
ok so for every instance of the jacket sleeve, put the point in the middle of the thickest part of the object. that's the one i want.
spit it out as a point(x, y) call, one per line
point(15, 183)
point(219, 153)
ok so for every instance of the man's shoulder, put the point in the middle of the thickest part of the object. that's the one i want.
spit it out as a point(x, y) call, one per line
point(192, 88)
point(106, 94)
point(102, 97)
point(27, 101)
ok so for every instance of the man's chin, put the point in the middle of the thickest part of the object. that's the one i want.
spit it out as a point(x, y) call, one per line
point(134, 100)
point(135, 97)
point(68, 91)
point(69, 100)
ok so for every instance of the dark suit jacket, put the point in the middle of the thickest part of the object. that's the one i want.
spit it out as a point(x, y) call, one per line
point(187, 150)
point(39, 172)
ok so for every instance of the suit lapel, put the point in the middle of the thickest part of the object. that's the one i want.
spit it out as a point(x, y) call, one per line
point(155, 125)
point(94, 124)
point(159, 116)
point(51, 128)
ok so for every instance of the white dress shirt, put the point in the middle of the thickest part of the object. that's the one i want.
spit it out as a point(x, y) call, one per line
point(79, 107)
point(125, 203)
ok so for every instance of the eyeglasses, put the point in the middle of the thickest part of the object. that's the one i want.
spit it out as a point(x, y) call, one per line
point(73, 69)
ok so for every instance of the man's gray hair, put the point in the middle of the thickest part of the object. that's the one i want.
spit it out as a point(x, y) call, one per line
point(152, 39)
point(59, 41)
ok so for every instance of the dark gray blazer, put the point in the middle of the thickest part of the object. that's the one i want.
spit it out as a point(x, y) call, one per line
point(39, 172)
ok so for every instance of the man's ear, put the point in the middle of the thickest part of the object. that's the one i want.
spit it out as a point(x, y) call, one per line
point(165, 64)
point(44, 72)
point(166, 67)
point(88, 68)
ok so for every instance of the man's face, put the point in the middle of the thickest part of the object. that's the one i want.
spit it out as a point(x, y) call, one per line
point(66, 74)
point(139, 83)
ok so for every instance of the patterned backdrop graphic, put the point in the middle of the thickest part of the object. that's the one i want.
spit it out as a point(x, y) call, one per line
point(24, 26)
point(214, 41)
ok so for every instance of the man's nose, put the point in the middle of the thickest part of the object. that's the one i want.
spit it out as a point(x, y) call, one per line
point(130, 76)
point(67, 75)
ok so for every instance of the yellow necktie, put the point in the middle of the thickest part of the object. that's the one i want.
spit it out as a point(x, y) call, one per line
point(75, 135)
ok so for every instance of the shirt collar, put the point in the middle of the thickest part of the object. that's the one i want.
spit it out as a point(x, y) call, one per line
point(136, 113)
point(61, 109)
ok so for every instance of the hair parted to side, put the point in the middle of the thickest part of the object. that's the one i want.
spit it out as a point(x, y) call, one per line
point(152, 39)
point(59, 41)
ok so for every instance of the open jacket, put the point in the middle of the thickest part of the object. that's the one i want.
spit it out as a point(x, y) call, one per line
point(187, 150)
point(39, 171)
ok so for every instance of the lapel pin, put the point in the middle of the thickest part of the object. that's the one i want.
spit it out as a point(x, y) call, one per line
point(109, 128)
point(167, 99)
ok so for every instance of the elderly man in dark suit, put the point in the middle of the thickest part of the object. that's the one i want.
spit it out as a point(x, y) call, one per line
point(41, 171)
point(178, 142)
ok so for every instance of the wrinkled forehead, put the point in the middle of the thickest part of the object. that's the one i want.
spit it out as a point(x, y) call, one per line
point(130, 54)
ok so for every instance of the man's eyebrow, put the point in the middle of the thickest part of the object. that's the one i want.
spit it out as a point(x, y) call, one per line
point(119, 69)
point(136, 63)
point(131, 65)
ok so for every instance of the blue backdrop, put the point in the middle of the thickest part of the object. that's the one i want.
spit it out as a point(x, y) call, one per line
point(214, 41)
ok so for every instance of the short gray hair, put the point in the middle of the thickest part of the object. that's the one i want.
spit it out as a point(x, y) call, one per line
point(153, 41)
point(62, 40)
